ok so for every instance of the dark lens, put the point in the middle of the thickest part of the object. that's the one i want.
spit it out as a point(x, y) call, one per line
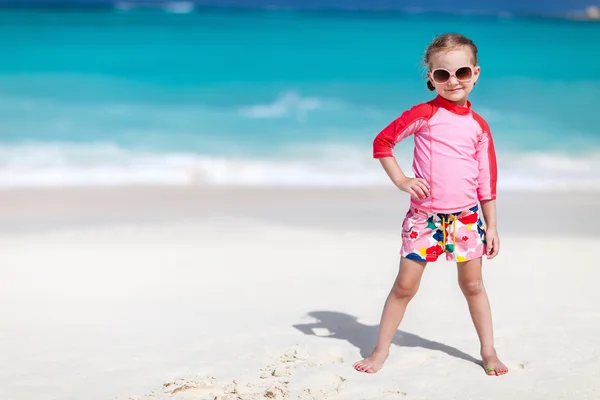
point(441, 76)
point(464, 74)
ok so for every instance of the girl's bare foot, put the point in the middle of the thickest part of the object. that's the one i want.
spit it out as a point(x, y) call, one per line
point(373, 363)
point(491, 362)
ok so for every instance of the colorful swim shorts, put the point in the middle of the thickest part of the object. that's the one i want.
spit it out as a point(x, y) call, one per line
point(426, 235)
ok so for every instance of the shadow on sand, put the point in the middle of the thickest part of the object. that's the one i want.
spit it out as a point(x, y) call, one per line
point(346, 327)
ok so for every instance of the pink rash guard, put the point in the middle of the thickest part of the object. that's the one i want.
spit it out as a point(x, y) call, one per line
point(454, 152)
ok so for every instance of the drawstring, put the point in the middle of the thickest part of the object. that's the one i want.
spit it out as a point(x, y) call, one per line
point(452, 218)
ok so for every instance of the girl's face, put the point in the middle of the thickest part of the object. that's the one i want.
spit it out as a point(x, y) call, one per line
point(453, 74)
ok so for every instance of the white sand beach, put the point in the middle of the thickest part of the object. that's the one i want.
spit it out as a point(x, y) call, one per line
point(232, 293)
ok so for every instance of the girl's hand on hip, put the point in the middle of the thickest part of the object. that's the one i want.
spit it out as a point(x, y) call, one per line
point(417, 188)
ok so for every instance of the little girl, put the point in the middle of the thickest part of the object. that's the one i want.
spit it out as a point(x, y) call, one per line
point(455, 171)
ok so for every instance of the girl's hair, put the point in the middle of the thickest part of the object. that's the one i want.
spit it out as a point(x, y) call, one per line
point(445, 42)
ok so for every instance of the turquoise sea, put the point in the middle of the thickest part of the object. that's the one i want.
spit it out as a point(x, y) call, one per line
point(212, 97)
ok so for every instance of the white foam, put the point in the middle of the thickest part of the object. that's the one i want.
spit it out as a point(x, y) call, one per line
point(176, 7)
point(54, 164)
point(179, 7)
point(286, 104)
point(95, 164)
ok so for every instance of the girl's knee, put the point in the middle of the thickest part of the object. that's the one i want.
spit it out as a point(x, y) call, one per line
point(405, 289)
point(471, 287)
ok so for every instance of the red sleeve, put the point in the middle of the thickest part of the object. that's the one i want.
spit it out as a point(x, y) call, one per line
point(486, 156)
point(410, 122)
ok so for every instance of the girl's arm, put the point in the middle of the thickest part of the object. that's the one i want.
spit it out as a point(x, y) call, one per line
point(418, 188)
point(486, 190)
point(488, 208)
point(410, 122)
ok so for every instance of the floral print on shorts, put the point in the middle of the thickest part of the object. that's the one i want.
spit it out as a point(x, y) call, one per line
point(426, 235)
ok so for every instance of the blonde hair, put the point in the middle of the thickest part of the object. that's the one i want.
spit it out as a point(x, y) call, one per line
point(445, 42)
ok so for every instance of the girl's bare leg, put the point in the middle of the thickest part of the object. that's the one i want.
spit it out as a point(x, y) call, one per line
point(404, 289)
point(470, 281)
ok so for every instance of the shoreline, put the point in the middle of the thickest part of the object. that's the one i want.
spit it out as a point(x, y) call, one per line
point(31, 210)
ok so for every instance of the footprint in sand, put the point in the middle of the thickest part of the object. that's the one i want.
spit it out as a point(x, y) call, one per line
point(284, 363)
point(296, 353)
point(273, 382)
point(259, 391)
point(309, 382)
point(209, 389)
point(203, 388)
point(274, 371)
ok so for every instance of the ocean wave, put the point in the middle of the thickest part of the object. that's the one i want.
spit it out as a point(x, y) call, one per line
point(102, 164)
point(287, 104)
point(175, 7)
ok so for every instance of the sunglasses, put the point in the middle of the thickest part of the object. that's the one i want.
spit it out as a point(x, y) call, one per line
point(462, 74)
